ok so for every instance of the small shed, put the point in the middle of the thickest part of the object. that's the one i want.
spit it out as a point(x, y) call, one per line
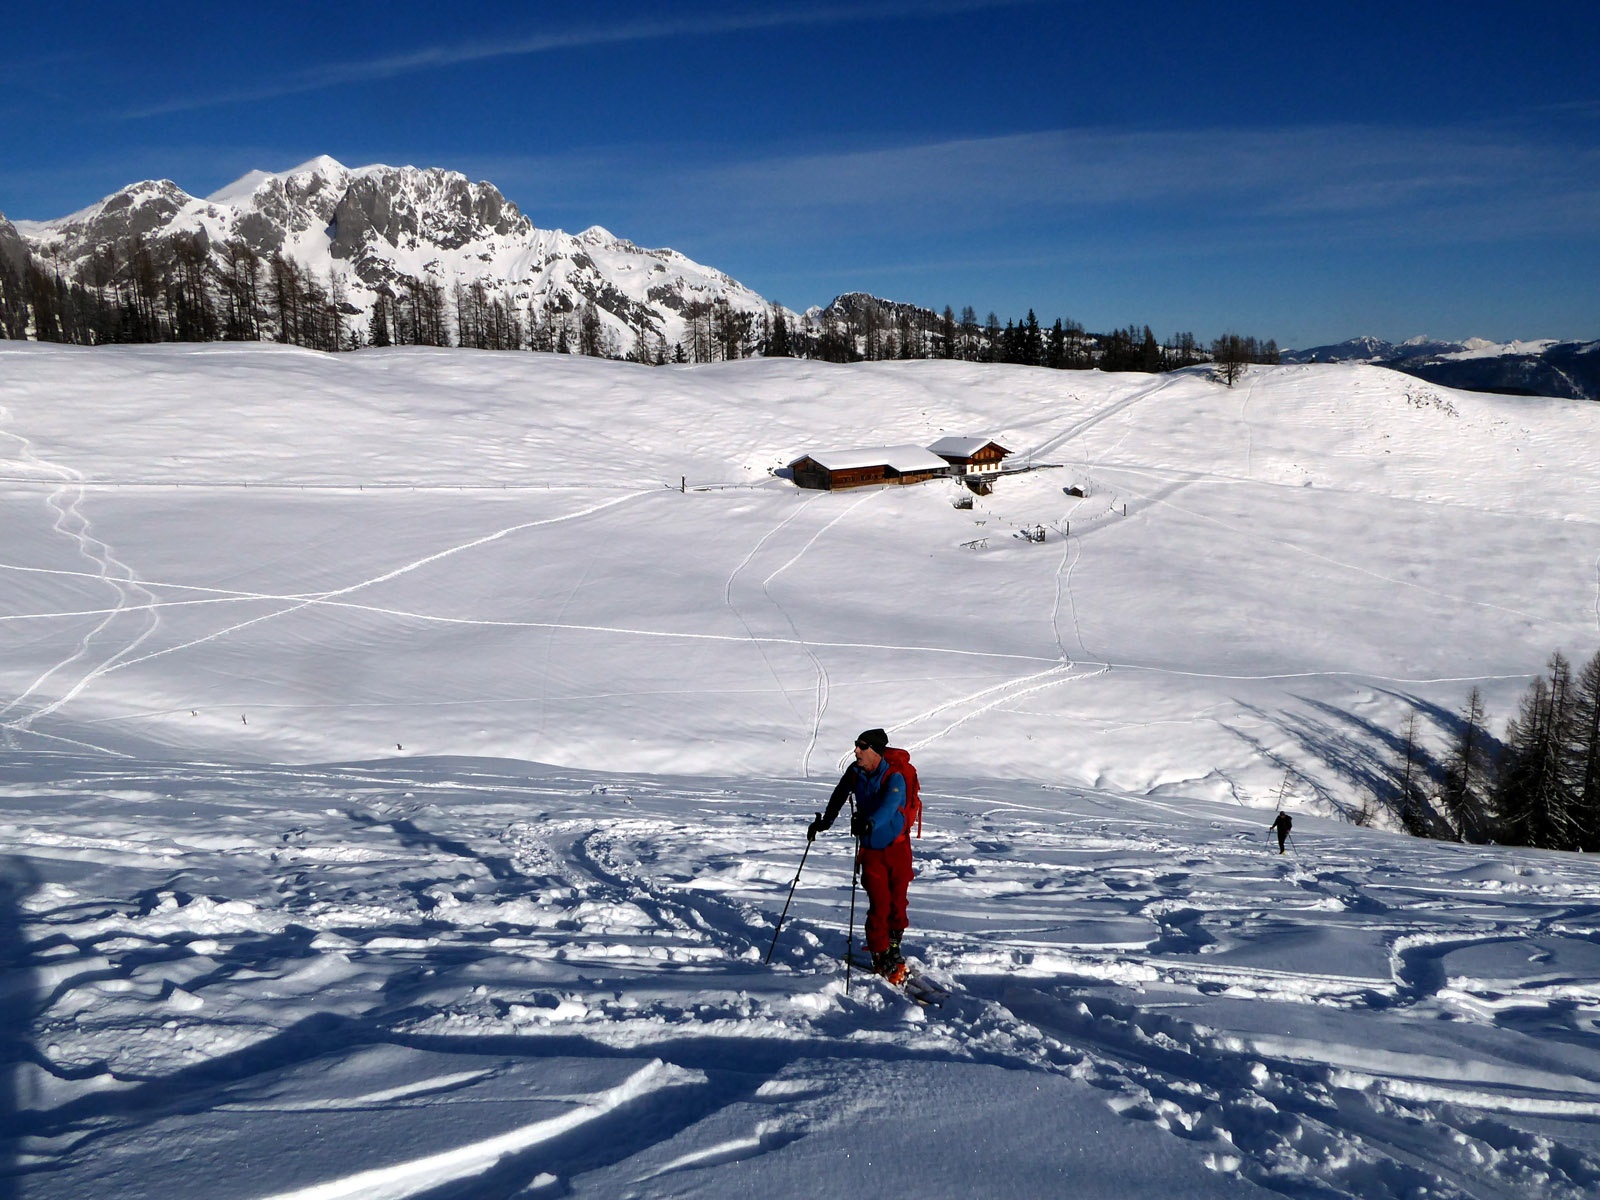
point(969, 456)
point(833, 469)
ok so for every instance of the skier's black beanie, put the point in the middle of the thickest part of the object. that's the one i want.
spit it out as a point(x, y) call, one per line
point(875, 738)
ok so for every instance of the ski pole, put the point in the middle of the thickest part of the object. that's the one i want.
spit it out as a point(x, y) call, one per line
point(786, 903)
point(855, 874)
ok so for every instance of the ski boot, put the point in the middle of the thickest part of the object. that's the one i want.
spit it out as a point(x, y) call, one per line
point(890, 965)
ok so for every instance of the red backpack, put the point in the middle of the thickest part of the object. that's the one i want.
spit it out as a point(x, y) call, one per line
point(900, 761)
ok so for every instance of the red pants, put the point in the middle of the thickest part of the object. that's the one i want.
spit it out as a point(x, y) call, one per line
point(886, 874)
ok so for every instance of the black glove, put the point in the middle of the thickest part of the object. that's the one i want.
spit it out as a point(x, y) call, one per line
point(814, 828)
point(860, 827)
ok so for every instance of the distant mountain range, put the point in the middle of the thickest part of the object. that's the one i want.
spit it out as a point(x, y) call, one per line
point(375, 230)
point(1538, 368)
point(364, 237)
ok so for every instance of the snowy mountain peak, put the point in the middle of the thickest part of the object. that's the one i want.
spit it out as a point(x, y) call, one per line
point(240, 190)
point(388, 231)
point(322, 164)
point(239, 193)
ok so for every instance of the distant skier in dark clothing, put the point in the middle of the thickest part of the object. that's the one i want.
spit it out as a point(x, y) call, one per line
point(1282, 824)
point(887, 804)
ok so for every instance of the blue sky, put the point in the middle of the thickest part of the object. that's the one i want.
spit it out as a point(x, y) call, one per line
point(1302, 172)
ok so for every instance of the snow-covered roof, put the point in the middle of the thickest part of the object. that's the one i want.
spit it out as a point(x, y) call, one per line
point(905, 459)
point(962, 447)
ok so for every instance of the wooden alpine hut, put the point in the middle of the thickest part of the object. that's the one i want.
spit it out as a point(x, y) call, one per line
point(830, 470)
point(970, 456)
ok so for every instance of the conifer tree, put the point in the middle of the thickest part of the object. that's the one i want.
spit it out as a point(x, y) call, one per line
point(909, 335)
point(967, 335)
point(1584, 758)
point(284, 277)
point(1030, 344)
point(1150, 358)
point(778, 344)
point(1532, 795)
point(338, 299)
point(13, 304)
point(1464, 795)
point(1411, 802)
point(241, 288)
point(1055, 351)
point(378, 327)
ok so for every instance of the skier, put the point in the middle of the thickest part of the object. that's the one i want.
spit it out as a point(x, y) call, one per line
point(1282, 824)
point(887, 805)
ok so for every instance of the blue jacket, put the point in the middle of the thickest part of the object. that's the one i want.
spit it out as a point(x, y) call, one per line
point(881, 800)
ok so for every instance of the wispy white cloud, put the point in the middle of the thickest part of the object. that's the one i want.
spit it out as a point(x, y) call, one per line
point(1075, 200)
point(1467, 181)
point(680, 25)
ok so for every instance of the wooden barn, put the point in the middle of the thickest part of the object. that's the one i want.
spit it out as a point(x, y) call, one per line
point(970, 456)
point(830, 470)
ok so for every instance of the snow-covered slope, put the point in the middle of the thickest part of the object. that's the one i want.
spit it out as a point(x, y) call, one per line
point(263, 552)
point(380, 228)
point(486, 979)
point(438, 968)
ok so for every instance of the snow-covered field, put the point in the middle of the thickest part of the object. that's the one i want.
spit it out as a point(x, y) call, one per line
point(416, 963)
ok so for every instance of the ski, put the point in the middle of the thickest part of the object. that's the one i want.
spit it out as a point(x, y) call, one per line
point(915, 986)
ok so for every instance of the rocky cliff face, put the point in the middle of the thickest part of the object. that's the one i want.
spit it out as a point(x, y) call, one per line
point(409, 209)
point(13, 251)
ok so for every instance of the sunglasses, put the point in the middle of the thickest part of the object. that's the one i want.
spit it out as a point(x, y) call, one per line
point(862, 746)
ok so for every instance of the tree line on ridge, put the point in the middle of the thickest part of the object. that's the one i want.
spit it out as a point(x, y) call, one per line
point(185, 289)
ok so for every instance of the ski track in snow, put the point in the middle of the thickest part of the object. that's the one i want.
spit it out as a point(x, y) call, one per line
point(66, 501)
point(992, 697)
point(1064, 570)
point(823, 682)
point(1597, 591)
point(1163, 496)
point(126, 585)
point(236, 930)
point(1071, 556)
point(727, 598)
point(1244, 420)
point(549, 640)
point(807, 646)
point(1078, 428)
point(373, 581)
point(324, 599)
